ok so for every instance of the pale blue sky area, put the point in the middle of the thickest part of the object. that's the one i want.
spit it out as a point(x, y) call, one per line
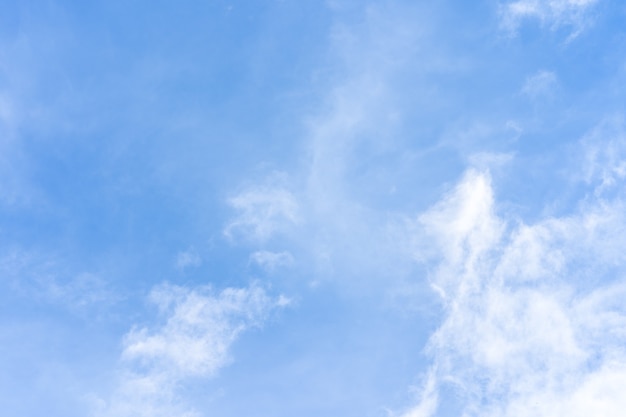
point(312, 208)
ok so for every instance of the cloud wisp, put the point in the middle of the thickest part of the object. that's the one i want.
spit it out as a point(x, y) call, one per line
point(262, 212)
point(532, 323)
point(194, 339)
point(575, 14)
point(327, 211)
point(47, 278)
point(540, 85)
point(270, 261)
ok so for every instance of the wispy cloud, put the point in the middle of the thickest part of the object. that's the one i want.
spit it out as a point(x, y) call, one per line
point(271, 260)
point(337, 229)
point(15, 189)
point(188, 259)
point(540, 85)
point(262, 211)
point(194, 338)
point(46, 278)
point(604, 155)
point(552, 13)
point(533, 324)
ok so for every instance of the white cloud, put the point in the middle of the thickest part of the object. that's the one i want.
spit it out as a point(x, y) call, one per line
point(198, 330)
point(540, 85)
point(272, 260)
point(463, 226)
point(604, 155)
point(15, 189)
point(262, 211)
point(553, 13)
point(533, 321)
point(354, 156)
point(47, 278)
point(428, 398)
point(199, 326)
point(187, 259)
point(143, 396)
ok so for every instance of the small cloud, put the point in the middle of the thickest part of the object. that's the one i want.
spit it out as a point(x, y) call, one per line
point(604, 155)
point(540, 85)
point(199, 329)
point(188, 259)
point(283, 301)
point(553, 13)
point(272, 260)
point(79, 292)
point(47, 280)
point(489, 160)
point(193, 339)
point(262, 211)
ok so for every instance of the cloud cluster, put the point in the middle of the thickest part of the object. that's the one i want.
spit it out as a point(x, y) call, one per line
point(194, 339)
point(533, 322)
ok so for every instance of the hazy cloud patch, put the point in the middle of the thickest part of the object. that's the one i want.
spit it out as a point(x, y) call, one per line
point(262, 212)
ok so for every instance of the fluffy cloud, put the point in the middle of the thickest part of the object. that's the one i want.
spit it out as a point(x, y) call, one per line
point(198, 328)
point(533, 320)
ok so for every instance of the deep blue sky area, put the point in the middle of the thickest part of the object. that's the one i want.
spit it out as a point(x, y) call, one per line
point(305, 208)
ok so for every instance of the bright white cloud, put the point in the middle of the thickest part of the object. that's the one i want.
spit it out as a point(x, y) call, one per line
point(194, 339)
point(553, 13)
point(533, 323)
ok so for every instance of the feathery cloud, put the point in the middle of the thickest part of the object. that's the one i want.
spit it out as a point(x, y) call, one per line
point(262, 212)
point(533, 325)
point(199, 326)
point(271, 260)
point(540, 85)
point(553, 13)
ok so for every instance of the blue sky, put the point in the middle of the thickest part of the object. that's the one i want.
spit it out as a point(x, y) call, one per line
point(340, 208)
